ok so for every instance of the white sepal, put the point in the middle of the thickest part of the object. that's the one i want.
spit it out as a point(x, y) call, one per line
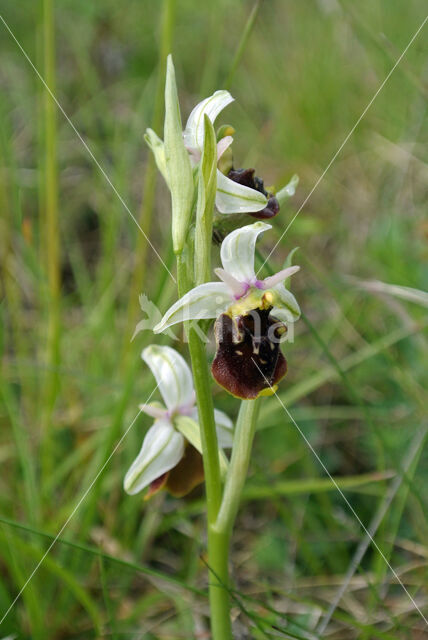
point(212, 106)
point(162, 450)
point(172, 374)
point(205, 301)
point(232, 197)
point(288, 191)
point(286, 307)
point(237, 251)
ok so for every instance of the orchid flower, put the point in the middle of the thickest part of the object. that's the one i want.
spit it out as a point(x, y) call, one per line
point(250, 314)
point(170, 456)
point(240, 289)
point(231, 197)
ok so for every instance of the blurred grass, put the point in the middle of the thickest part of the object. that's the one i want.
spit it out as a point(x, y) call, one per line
point(73, 262)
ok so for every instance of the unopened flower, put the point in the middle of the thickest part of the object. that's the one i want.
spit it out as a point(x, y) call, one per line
point(170, 456)
point(241, 294)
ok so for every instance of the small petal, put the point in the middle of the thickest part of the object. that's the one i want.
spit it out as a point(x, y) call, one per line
point(224, 428)
point(172, 374)
point(212, 106)
point(233, 197)
point(153, 410)
point(285, 307)
point(162, 449)
point(271, 281)
point(237, 251)
point(237, 288)
point(222, 145)
point(203, 302)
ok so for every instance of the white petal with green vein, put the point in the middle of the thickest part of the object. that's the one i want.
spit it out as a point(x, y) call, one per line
point(206, 301)
point(286, 307)
point(237, 251)
point(162, 450)
point(211, 106)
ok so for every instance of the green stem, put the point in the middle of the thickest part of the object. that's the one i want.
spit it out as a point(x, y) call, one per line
point(206, 418)
point(217, 541)
point(205, 403)
point(237, 472)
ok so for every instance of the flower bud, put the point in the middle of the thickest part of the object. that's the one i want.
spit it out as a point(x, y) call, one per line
point(178, 168)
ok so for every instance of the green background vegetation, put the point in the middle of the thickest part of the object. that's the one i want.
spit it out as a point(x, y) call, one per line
point(73, 263)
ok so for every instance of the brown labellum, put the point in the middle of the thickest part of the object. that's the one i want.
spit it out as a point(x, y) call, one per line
point(187, 474)
point(248, 358)
point(183, 478)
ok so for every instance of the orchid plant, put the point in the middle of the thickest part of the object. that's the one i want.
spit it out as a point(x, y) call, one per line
point(186, 443)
